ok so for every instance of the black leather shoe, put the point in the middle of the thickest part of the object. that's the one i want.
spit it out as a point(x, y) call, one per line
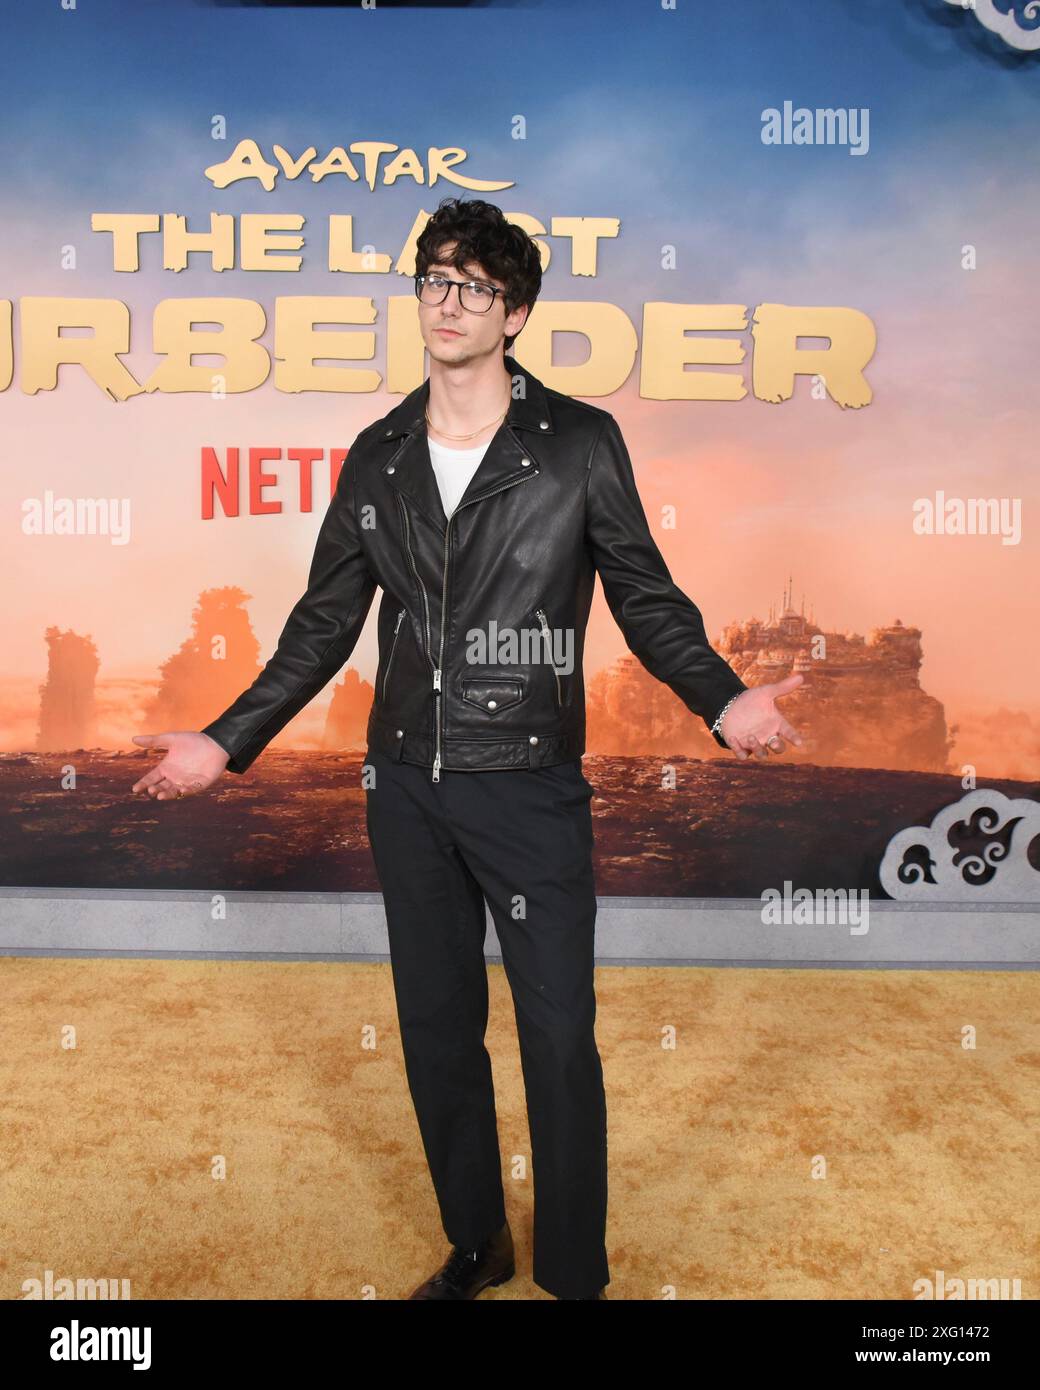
point(465, 1273)
point(585, 1298)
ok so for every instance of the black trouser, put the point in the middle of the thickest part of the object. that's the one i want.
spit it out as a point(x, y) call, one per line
point(522, 839)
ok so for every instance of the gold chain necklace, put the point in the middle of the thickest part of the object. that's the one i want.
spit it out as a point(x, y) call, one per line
point(473, 433)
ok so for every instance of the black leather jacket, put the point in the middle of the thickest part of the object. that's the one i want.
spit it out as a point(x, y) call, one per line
point(553, 502)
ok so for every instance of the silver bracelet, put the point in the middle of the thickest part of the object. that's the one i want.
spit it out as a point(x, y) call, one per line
point(716, 728)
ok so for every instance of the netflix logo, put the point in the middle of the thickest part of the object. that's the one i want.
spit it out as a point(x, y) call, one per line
point(259, 480)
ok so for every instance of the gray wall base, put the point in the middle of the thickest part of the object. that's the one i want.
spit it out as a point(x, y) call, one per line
point(645, 931)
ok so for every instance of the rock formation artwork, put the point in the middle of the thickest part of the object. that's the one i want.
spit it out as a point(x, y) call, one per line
point(67, 709)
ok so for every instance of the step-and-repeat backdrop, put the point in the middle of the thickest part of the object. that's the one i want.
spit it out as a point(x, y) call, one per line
point(792, 251)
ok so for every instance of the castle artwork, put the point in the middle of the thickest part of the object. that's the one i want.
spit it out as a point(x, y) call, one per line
point(861, 704)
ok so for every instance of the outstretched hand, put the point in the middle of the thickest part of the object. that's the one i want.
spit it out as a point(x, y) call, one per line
point(192, 763)
point(753, 724)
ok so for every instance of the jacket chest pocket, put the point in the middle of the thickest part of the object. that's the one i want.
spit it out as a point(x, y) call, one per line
point(493, 693)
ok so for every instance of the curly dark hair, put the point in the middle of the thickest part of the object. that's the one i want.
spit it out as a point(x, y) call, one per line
point(482, 234)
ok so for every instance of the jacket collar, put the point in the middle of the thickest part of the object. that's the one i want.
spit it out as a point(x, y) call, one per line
point(528, 410)
point(507, 460)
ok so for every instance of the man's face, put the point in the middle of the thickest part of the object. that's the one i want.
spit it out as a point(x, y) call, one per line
point(454, 335)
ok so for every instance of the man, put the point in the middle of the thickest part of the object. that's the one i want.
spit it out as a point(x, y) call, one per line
point(484, 505)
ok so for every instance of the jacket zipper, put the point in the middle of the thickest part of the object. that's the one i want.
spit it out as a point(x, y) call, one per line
point(540, 615)
point(393, 648)
point(415, 572)
point(444, 597)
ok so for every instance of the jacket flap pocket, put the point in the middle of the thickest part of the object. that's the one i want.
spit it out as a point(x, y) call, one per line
point(493, 693)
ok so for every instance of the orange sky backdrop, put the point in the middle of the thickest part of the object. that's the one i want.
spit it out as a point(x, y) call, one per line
point(762, 491)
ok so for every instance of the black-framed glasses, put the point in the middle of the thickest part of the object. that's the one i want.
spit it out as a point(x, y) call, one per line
point(474, 295)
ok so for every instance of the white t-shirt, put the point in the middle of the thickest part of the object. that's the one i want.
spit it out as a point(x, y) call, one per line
point(454, 468)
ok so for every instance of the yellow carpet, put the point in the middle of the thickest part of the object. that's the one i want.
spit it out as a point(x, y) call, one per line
point(291, 1074)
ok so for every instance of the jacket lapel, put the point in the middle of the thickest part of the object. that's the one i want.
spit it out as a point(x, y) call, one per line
point(414, 478)
point(410, 468)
